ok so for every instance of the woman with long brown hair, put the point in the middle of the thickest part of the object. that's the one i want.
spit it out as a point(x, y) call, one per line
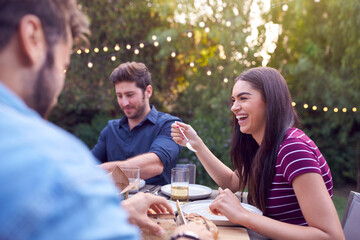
point(286, 175)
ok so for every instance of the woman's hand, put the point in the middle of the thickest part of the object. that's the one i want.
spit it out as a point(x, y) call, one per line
point(188, 131)
point(138, 205)
point(227, 204)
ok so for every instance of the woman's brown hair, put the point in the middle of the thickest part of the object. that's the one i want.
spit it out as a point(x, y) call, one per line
point(255, 164)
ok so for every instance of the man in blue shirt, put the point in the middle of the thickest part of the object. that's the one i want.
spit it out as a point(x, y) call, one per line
point(141, 137)
point(51, 185)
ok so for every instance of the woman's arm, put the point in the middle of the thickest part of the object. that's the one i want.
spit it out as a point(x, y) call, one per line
point(218, 171)
point(315, 203)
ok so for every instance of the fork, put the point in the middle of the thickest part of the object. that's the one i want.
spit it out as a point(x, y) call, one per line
point(188, 145)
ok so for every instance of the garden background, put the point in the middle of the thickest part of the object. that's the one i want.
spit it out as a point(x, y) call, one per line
point(195, 49)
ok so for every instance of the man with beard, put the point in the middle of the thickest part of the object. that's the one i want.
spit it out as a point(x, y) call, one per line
point(51, 185)
point(141, 137)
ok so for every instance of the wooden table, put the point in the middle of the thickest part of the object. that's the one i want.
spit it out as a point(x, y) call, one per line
point(225, 232)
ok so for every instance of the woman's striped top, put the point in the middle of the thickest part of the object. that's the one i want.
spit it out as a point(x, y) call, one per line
point(297, 155)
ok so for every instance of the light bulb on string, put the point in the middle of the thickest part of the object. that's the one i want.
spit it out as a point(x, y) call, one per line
point(354, 109)
point(173, 54)
point(90, 64)
point(168, 39)
point(192, 64)
point(336, 109)
point(96, 50)
point(325, 109)
point(344, 110)
point(141, 45)
point(293, 104)
point(113, 58)
point(153, 37)
point(314, 108)
point(306, 106)
point(79, 51)
point(207, 29)
point(208, 73)
point(117, 47)
point(136, 51)
point(285, 7)
point(189, 34)
point(128, 46)
point(226, 80)
point(202, 24)
point(156, 43)
point(228, 23)
point(105, 49)
point(87, 50)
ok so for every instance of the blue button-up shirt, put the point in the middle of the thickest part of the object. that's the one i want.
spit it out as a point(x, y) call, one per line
point(50, 184)
point(117, 142)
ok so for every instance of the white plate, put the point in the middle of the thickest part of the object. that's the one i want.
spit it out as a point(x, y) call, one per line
point(141, 185)
point(202, 207)
point(195, 191)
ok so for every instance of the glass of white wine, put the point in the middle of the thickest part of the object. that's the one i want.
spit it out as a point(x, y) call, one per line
point(180, 184)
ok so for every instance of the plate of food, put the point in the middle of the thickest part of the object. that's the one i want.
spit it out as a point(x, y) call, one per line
point(202, 208)
point(196, 191)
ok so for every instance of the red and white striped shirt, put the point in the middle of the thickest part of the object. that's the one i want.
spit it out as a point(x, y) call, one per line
point(297, 155)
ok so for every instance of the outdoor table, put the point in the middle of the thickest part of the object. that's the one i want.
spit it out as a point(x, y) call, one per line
point(225, 232)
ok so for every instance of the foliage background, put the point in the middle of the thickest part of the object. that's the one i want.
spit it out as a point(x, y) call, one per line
point(316, 51)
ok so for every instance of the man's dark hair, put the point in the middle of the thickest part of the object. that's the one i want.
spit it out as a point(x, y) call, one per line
point(55, 16)
point(132, 72)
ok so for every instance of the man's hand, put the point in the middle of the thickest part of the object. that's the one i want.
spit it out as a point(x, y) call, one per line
point(138, 205)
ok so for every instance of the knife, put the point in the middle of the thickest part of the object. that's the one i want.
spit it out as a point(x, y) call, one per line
point(181, 218)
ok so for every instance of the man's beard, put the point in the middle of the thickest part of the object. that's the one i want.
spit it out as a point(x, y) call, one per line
point(44, 93)
point(140, 109)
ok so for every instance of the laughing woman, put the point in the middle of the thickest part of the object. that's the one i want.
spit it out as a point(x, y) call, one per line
point(286, 175)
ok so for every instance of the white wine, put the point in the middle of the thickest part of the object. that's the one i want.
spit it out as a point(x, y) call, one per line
point(180, 193)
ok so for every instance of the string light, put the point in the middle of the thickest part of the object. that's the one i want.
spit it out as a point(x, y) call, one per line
point(96, 50)
point(344, 110)
point(336, 109)
point(306, 106)
point(90, 64)
point(228, 23)
point(173, 54)
point(201, 24)
point(325, 109)
point(293, 104)
point(87, 50)
point(156, 43)
point(128, 46)
point(136, 51)
point(192, 64)
point(105, 49)
point(113, 58)
point(153, 37)
point(141, 45)
point(168, 39)
point(78, 51)
point(314, 108)
point(354, 109)
point(117, 47)
point(189, 34)
point(207, 29)
point(208, 73)
point(226, 80)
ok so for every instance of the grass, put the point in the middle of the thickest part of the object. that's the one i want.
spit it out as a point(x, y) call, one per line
point(340, 204)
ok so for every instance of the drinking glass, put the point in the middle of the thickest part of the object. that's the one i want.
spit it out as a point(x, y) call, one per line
point(180, 184)
point(133, 174)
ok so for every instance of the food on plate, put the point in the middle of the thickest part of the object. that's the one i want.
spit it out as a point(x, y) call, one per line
point(218, 214)
point(168, 223)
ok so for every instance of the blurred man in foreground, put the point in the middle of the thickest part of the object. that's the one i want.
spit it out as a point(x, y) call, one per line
point(51, 187)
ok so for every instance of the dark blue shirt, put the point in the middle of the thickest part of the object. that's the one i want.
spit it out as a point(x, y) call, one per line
point(117, 142)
